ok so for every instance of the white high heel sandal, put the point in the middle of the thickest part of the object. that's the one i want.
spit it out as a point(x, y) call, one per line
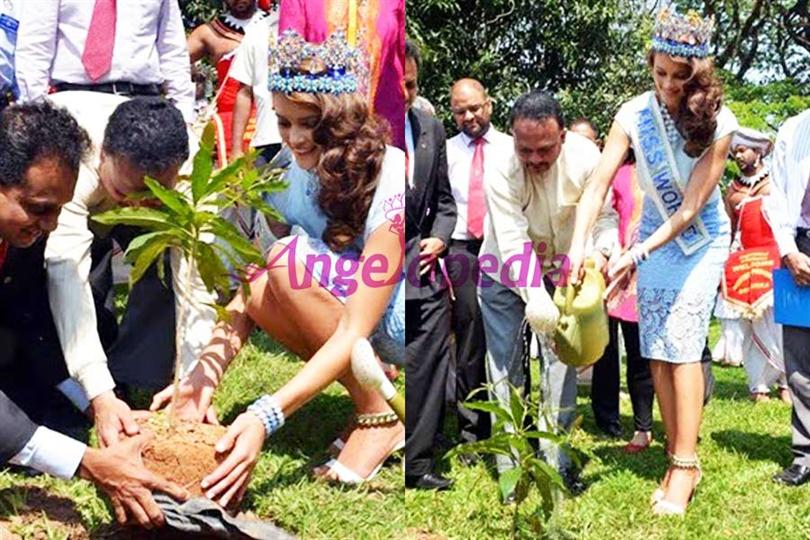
point(663, 507)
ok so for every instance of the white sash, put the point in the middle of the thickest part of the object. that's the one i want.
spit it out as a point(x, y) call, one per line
point(659, 177)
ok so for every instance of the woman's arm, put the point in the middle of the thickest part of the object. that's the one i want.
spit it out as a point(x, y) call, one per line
point(702, 184)
point(593, 198)
point(197, 388)
point(704, 179)
point(364, 309)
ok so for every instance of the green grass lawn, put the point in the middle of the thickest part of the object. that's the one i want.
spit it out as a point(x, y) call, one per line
point(742, 446)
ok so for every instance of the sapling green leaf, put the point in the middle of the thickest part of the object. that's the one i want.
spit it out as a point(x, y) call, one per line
point(203, 163)
point(147, 218)
point(173, 200)
point(188, 221)
point(508, 480)
point(149, 254)
point(512, 435)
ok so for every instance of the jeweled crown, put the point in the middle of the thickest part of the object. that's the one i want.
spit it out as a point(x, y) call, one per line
point(334, 66)
point(687, 35)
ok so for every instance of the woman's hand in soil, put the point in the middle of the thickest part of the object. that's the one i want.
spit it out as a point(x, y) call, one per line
point(120, 472)
point(242, 442)
point(193, 401)
point(113, 419)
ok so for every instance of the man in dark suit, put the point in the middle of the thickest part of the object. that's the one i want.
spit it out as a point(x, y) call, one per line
point(40, 151)
point(431, 217)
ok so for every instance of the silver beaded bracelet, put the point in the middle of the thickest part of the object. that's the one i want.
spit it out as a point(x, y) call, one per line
point(267, 409)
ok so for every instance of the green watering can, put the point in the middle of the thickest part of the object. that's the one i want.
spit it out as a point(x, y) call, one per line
point(582, 331)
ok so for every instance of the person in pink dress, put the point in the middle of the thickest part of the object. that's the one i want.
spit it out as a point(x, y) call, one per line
point(381, 31)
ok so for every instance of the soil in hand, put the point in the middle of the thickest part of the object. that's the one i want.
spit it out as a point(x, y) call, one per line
point(183, 453)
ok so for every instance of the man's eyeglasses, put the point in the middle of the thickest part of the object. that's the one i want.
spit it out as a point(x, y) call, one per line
point(472, 109)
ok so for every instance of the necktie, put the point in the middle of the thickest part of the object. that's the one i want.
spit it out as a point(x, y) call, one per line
point(98, 49)
point(476, 206)
point(3, 253)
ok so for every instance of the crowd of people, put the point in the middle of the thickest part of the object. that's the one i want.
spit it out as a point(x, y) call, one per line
point(469, 238)
point(645, 208)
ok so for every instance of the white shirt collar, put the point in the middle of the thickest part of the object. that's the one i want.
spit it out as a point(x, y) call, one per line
point(467, 140)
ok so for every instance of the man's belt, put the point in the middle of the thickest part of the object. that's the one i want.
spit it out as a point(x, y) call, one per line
point(121, 88)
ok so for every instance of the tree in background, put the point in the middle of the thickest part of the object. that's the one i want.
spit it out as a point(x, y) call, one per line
point(513, 46)
point(591, 53)
point(196, 12)
point(769, 38)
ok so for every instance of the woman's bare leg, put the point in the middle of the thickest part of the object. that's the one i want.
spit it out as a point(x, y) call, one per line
point(302, 319)
point(688, 383)
point(665, 392)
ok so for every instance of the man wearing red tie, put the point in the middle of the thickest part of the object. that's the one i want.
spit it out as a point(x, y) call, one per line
point(470, 158)
point(112, 46)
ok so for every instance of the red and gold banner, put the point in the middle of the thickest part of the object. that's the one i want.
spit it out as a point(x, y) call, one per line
point(748, 280)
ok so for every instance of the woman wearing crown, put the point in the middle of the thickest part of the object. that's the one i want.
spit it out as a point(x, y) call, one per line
point(335, 279)
point(680, 133)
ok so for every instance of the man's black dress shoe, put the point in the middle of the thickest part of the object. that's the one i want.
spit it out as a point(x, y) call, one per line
point(572, 481)
point(614, 431)
point(428, 481)
point(795, 475)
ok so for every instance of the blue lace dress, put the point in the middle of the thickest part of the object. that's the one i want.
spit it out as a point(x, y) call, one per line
point(337, 272)
point(676, 292)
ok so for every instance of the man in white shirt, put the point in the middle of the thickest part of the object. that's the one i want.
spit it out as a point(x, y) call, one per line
point(249, 67)
point(531, 202)
point(788, 208)
point(40, 151)
point(471, 157)
point(125, 47)
point(143, 136)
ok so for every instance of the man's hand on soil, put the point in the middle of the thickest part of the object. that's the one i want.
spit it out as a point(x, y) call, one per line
point(119, 471)
point(242, 442)
point(113, 418)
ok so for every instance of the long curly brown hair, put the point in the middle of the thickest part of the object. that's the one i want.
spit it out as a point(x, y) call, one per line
point(702, 99)
point(353, 146)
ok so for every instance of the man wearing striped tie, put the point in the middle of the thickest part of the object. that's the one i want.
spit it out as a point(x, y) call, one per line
point(471, 156)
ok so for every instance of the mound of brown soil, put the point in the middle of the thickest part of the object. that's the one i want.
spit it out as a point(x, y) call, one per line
point(183, 453)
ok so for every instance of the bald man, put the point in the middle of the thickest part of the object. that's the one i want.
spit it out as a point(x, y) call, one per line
point(471, 156)
point(585, 127)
